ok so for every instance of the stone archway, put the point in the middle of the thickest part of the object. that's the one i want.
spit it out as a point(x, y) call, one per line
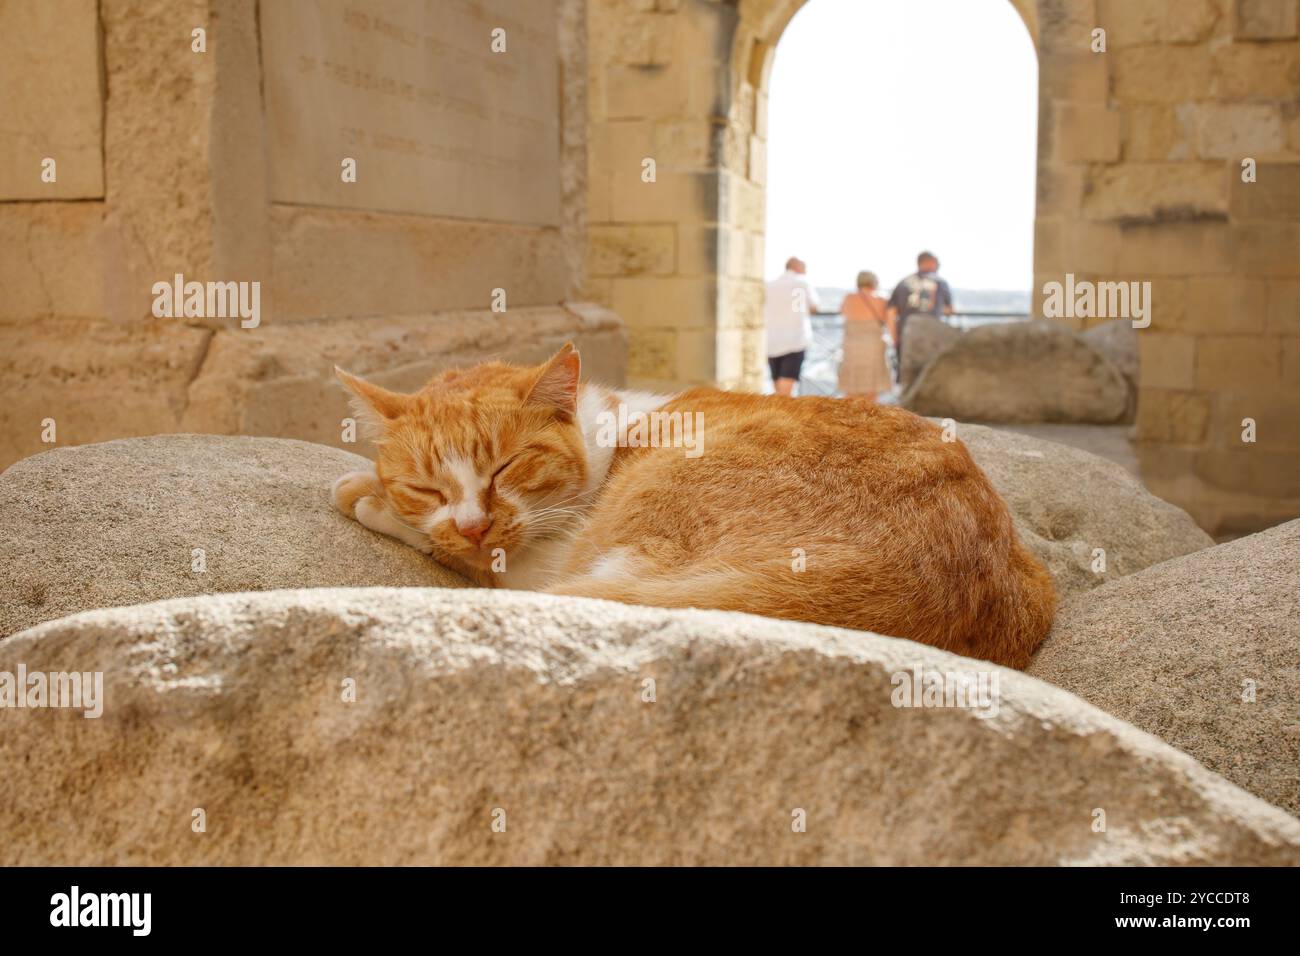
point(684, 83)
point(763, 25)
point(1140, 149)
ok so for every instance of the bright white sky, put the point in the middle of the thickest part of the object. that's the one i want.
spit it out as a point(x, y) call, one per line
point(899, 125)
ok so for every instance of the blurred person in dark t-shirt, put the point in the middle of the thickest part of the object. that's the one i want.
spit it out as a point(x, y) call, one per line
point(923, 292)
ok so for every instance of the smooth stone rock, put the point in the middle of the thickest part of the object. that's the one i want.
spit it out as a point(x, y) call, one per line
point(924, 338)
point(117, 523)
point(1020, 372)
point(762, 742)
point(1179, 648)
point(1068, 503)
point(1117, 340)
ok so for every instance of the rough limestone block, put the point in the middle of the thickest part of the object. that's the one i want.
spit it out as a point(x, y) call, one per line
point(1020, 372)
point(1266, 248)
point(927, 337)
point(1270, 471)
point(1086, 132)
point(620, 250)
point(95, 379)
point(1176, 249)
point(1171, 417)
point(1257, 70)
point(1157, 192)
point(1275, 194)
point(1236, 130)
point(51, 106)
point(1284, 307)
point(1136, 22)
point(1168, 361)
point(1225, 305)
point(479, 707)
point(103, 380)
point(1266, 19)
point(1067, 503)
point(118, 523)
point(339, 264)
point(1225, 361)
point(51, 264)
point(1162, 74)
point(1203, 651)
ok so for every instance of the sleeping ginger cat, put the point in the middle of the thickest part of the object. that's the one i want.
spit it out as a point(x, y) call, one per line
point(833, 511)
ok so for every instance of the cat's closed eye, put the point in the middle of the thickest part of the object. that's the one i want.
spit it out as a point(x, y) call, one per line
point(503, 466)
point(422, 492)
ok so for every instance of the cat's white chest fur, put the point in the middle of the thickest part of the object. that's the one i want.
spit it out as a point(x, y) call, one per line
point(535, 566)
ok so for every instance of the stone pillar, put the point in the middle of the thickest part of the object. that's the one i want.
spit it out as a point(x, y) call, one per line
point(658, 187)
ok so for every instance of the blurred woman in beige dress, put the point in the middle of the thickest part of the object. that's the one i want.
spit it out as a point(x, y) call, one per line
point(864, 372)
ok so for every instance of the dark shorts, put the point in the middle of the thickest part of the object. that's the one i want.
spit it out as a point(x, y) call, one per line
point(786, 366)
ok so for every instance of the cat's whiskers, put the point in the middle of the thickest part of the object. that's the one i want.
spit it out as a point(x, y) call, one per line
point(553, 522)
point(550, 528)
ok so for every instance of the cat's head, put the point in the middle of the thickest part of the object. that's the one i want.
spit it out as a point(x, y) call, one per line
point(486, 458)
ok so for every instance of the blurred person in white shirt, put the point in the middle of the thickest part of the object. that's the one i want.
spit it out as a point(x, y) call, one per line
point(790, 300)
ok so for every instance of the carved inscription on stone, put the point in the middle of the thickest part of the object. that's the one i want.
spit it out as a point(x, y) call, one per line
point(438, 122)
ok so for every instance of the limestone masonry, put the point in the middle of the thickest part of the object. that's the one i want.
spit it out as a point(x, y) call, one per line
point(487, 182)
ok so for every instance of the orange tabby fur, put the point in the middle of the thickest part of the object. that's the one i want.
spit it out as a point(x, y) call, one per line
point(899, 531)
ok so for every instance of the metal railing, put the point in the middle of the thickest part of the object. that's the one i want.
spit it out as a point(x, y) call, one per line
point(825, 351)
point(969, 318)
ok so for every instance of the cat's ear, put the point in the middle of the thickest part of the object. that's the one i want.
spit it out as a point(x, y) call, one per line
point(557, 383)
point(374, 406)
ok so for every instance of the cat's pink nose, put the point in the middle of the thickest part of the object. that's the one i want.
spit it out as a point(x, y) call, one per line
point(475, 529)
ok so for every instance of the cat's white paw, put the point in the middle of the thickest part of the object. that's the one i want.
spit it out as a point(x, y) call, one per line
point(371, 512)
point(351, 488)
point(375, 514)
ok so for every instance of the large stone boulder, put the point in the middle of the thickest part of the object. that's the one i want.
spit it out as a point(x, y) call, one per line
point(1117, 340)
point(1020, 372)
point(924, 337)
point(141, 519)
point(1202, 651)
point(1068, 504)
point(437, 726)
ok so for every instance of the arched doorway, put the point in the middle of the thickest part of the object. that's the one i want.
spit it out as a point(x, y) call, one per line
point(896, 127)
point(675, 179)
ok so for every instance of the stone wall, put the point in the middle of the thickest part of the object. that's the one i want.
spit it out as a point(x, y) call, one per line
point(1139, 179)
point(226, 165)
point(1195, 89)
